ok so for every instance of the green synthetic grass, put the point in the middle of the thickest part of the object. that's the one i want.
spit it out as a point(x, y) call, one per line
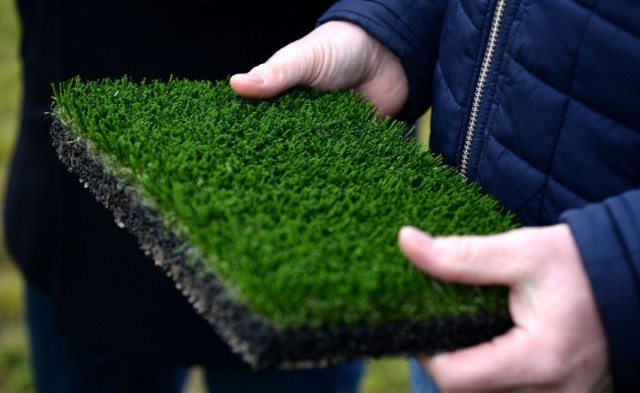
point(293, 203)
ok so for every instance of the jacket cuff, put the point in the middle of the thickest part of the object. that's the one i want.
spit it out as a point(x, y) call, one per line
point(410, 29)
point(608, 236)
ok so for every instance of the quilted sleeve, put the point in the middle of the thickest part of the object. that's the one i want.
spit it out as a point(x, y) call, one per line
point(608, 235)
point(410, 29)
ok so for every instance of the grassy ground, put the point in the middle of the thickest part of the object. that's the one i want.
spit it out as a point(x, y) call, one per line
point(14, 371)
point(15, 377)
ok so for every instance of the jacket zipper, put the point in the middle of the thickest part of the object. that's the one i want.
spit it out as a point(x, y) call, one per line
point(487, 61)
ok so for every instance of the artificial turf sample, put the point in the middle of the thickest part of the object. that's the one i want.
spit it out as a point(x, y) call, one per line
point(279, 218)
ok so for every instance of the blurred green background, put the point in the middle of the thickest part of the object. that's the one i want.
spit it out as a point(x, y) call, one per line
point(387, 376)
point(14, 370)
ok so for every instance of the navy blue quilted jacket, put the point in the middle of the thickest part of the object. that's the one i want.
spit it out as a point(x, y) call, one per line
point(539, 102)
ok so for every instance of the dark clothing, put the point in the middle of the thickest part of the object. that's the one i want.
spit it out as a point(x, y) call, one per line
point(62, 365)
point(555, 133)
point(106, 292)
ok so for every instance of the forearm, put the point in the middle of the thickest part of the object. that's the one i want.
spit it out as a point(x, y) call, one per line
point(608, 236)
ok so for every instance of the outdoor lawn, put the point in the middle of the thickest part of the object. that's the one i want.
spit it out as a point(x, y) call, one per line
point(15, 376)
point(14, 371)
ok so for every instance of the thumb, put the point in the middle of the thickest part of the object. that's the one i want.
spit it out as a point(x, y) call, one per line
point(336, 55)
point(483, 260)
point(293, 65)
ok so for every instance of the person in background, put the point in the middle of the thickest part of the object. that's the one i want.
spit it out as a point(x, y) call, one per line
point(101, 316)
point(537, 102)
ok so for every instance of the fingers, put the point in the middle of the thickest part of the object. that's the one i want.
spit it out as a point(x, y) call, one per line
point(557, 343)
point(507, 361)
point(471, 259)
point(336, 55)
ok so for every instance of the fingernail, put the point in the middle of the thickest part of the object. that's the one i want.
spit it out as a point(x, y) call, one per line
point(413, 233)
point(253, 78)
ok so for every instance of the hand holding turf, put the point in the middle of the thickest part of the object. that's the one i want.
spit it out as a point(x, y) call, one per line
point(336, 55)
point(557, 343)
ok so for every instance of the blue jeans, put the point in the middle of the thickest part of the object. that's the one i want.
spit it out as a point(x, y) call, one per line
point(61, 365)
point(420, 381)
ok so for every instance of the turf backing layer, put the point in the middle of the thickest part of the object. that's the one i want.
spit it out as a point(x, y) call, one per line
point(277, 219)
